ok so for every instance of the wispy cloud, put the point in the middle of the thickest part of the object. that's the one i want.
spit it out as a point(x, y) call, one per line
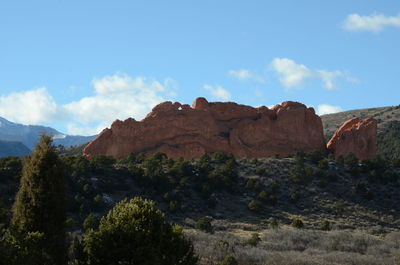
point(374, 23)
point(245, 75)
point(323, 109)
point(292, 74)
point(218, 92)
point(116, 96)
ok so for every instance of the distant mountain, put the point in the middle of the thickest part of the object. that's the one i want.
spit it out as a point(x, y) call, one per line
point(29, 134)
point(13, 149)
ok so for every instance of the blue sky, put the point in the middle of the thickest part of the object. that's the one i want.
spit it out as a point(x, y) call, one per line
point(79, 65)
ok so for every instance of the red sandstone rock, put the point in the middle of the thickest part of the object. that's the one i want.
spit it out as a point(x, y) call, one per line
point(184, 131)
point(356, 136)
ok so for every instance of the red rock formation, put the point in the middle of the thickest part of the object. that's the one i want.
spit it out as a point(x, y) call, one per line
point(356, 136)
point(183, 131)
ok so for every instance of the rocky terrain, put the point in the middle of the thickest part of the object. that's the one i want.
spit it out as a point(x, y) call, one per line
point(384, 116)
point(183, 131)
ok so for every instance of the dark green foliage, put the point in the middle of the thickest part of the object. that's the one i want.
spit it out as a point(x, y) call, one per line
point(323, 164)
point(268, 198)
point(325, 225)
point(314, 156)
point(255, 206)
point(222, 157)
point(90, 222)
point(154, 174)
point(340, 160)
point(389, 141)
point(297, 223)
point(294, 196)
point(253, 184)
point(299, 174)
point(260, 171)
point(273, 222)
point(39, 208)
point(359, 188)
point(224, 176)
point(369, 195)
point(135, 232)
point(229, 260)
point(351, 163)
point(253, 240)
point(101, 163)
point(76, 253)
point(204, 224)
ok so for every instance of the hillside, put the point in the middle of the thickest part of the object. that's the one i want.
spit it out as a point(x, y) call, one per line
point(242, 197)
point(383, 116)
point(388, 118)
point(13, 149)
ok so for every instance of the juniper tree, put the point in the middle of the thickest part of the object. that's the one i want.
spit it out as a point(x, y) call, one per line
point(40, 202)
point(135, 232)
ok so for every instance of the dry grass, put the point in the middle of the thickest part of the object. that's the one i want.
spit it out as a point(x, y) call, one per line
point(296, 247)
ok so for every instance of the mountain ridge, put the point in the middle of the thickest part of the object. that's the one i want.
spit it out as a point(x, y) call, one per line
point(29, 134)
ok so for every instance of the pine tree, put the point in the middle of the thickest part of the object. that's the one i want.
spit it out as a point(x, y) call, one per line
point(40, 202)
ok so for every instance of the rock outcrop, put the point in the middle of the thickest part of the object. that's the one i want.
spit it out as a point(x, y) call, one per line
point(356, 136)
point(183, 131)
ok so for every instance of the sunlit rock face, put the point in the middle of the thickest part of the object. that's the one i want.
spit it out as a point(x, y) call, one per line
point(189, 131)
point(355, 136)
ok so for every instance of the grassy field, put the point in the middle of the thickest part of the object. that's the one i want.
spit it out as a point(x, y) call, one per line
point(291, 246)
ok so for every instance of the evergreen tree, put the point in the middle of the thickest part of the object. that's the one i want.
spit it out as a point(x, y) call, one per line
point(135, 232)
point(40, 203)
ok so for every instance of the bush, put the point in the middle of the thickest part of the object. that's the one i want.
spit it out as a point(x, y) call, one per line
point(294, 196)
point(229, 260)
point(204, 224)
point(326, 225)
point(273, 222)
point(90, 222)
point(260, 171)
point(253, 184)
point(253, 240)
point(323, 164)
point(255, 206)
point(135, 232)
point(297, 223)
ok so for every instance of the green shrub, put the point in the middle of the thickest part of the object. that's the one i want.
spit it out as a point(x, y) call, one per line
point(91, 222)
point(229, 260)
point(314, 156)
point(323, 164)
point(260, 171)
point(325, 225)
point(135, 232)
point(253, 184)
point(263, 196)
point(255, 206)
point(273, 222)
point(297, 223)
point(294, 196)
point(204, 224)
point(253, 240)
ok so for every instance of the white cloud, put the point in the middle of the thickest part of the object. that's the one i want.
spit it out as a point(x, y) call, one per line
point(292, 74)
point(218, 92)
point(243, 75)
point(117, 96)
point(323, 109)
point(374, 23)
point(29, 107)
